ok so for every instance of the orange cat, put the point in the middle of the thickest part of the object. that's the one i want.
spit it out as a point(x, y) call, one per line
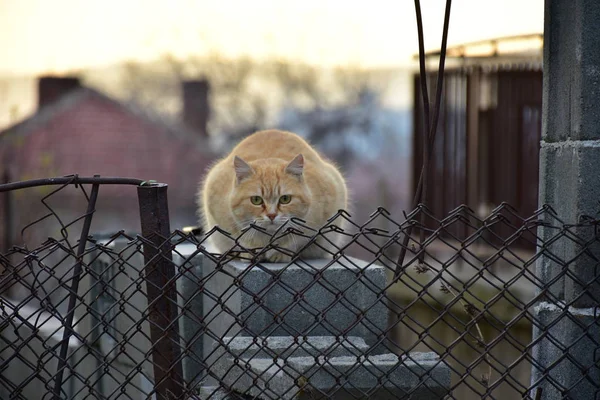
point(267, 179)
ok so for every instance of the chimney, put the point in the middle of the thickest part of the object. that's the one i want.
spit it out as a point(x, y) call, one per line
point(196, 108)
point(51, 88)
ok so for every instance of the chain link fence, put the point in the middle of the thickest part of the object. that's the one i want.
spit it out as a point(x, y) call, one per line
point(157, 315)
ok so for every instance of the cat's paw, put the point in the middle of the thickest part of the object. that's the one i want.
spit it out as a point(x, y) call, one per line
point(274, 256)
point(239, 255)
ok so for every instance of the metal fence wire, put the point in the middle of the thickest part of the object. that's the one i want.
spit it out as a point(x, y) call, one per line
point(157, 315)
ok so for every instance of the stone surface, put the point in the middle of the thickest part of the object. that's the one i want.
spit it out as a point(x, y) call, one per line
point(383, 376)
point(190, 301)
point(215, 393)
point(318, 299)
point(335, 366)
point(569, 179)
point(570, 153)
point(288, 346)
point(570, 182)
point(571, 70)
point(566, 341)
point(268, 325)
point(229, 363)
point(567, 363)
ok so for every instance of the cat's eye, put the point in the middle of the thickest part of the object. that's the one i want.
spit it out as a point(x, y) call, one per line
point(285, 199)
point(256, 200)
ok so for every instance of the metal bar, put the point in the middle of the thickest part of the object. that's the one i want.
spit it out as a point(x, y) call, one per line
point(8, 217)
point(423, 72)
point(429, 134)
point(440, 82)
point(68, 325)
point(161, 291)
point(74, 180)
point(473, 141)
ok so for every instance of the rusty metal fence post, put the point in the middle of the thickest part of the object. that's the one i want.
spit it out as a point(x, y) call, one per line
point(161, 291)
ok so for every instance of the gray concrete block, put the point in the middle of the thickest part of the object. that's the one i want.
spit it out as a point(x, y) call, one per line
point(341, 371)
point(383, 376)
point(288, 346)
point(190, 301)
point(570, 182)
point(310, 298)
point(315, 299)
point(567, 339)
point(215, 393)
point(566, 356)
point(241, 305)
point(231, 368)
point(571, 70)
point(117, 324)
point(549, 267)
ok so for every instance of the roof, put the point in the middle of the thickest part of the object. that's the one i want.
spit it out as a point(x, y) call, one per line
point(71, 99)
point(517, 50)
point(86, 132)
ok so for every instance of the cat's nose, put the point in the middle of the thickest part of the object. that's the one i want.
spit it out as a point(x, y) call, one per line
point(271, 216)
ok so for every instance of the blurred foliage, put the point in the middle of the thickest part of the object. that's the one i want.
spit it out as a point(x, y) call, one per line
point(247, 95)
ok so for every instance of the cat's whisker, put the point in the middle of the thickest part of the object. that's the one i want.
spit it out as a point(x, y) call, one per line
point(296, 247)
point(310, 224)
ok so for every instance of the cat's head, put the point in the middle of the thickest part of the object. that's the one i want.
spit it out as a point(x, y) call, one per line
point(269, 192)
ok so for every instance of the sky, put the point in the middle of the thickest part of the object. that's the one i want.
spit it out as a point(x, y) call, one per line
point(56, 36)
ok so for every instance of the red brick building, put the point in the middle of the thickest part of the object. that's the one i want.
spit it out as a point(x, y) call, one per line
point(78, 130)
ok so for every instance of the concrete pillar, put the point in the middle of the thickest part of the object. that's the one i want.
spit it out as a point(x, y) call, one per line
point(567, 333)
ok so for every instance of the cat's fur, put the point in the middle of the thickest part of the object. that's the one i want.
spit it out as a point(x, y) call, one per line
point(271, 164)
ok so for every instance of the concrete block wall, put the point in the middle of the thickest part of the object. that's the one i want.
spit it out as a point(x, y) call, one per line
point(567, 350)
point(265, 325)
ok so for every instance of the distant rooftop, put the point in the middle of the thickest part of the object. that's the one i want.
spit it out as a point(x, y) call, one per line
point(516, 48)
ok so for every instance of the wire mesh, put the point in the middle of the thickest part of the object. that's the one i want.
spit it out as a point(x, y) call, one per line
point(465, 317)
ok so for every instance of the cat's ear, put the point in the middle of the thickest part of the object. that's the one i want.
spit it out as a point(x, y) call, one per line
point(296, 166)
point(242, 169)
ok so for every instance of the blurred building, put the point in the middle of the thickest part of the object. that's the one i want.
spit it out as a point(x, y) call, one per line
point(487, 144)
point(78, 130)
